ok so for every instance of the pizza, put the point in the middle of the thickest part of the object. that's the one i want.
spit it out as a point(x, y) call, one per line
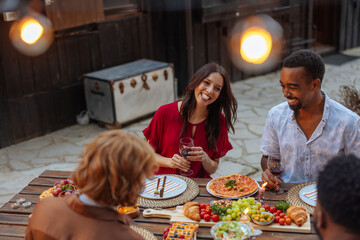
point(232, 186)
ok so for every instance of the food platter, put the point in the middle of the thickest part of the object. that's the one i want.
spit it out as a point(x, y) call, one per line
point(309, 194)
point(231, 197)
point(174, 186)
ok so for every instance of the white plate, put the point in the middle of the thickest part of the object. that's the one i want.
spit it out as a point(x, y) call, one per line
point(173, 187)
point(207, 188)
point(307, 189)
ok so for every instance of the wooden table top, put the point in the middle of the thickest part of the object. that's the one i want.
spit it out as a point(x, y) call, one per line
point(13, 222)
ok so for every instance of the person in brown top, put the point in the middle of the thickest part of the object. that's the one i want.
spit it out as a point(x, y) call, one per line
point(112, 172)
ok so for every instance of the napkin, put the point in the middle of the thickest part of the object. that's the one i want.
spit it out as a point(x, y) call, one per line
point(312, 195)
point(170, 186)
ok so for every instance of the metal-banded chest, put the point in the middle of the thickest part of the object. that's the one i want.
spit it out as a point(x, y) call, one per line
point(124, 93)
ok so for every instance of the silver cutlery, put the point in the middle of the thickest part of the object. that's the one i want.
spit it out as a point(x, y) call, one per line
point(163, 188)
point(157, 191)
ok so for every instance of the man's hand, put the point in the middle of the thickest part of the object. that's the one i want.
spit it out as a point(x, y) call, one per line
point(178, 162)
point(266, 176)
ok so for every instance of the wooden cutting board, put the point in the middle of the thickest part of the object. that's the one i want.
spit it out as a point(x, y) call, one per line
point(178, 216)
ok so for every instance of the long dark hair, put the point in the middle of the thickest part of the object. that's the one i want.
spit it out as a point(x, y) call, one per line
point(225, 103)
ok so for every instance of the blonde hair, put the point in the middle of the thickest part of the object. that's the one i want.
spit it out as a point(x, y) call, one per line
point(114, 168)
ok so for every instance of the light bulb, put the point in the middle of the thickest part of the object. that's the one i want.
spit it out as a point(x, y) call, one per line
point(31, 31)
point(31, 35)
point(256, 45)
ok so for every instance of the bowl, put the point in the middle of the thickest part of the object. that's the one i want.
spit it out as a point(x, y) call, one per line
point(266, 222)
point(230, 230)
point(132, 212)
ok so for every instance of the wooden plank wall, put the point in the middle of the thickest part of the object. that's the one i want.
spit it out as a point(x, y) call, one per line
point(349, 24)
point(43, 94)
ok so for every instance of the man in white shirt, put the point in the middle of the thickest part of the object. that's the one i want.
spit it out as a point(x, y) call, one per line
point(309, 129)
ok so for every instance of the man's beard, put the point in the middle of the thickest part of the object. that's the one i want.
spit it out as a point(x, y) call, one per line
point(296, 107)
point(316, 229)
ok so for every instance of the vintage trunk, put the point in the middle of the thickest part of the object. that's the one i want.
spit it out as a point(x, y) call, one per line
point(121, 94)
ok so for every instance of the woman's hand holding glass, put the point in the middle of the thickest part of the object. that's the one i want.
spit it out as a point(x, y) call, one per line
point(179, 162)
point(198, 154)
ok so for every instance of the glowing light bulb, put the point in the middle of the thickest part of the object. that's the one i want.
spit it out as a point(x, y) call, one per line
point(255, 45)
point(31, 35)
point(31, 31)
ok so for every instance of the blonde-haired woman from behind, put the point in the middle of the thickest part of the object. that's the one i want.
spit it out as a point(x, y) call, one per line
point(112, 172)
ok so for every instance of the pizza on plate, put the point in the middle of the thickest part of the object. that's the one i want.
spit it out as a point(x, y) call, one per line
point(232, 186)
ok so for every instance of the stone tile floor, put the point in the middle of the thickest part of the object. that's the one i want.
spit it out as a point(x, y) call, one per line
point(61, 150)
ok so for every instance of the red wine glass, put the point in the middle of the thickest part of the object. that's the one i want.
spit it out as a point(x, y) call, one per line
point(276, 167)
point(184, 148)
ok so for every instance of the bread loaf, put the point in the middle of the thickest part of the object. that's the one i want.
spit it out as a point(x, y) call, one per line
point(297, 214)
point(192, 210)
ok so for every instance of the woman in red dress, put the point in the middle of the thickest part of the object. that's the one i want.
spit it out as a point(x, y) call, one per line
point(206, 114)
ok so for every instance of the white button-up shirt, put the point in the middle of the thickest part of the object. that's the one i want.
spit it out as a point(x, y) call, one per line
point(338, 132)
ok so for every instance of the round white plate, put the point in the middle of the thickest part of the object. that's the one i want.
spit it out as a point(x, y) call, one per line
point(207, 188)
point(307, 189)
point(173, 187)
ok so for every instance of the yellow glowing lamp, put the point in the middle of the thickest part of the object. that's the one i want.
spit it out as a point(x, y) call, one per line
point(31, 35)
point(255, 45)
point(31, 31)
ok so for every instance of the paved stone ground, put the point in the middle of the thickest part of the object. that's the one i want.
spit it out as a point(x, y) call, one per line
point(61, 150)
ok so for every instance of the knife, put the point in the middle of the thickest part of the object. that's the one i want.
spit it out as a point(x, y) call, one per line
point(163, 188)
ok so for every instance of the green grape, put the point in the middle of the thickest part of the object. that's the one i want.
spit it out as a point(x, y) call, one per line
point(233, 216)
point(238, 214)
point(251, 200)
point(262, 209)
point(229, 211)
point(223, 218)
point(258, 204)
point(228, 217)
point(238, 218)
point(236, 210)
point(246, 204)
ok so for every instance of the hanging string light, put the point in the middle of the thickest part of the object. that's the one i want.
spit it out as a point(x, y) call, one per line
point(31, 35)
point(256, 44)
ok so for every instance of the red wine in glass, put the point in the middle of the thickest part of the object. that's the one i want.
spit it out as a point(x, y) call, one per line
point(277, 170)
point(184, 148)
point(276, 167)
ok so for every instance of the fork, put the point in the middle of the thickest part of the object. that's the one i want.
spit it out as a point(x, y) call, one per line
point(157, 191)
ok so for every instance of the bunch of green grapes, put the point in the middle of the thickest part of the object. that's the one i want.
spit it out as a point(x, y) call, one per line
point(238, 208)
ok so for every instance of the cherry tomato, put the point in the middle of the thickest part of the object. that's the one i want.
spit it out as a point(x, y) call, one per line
point(286, 216)
point(202, 213)
point(267, 207)
point(206, 217)
point(202, 205)
point(288, 221)
point(207, 204)
point(277, 218)
point(281, 221)
point(278, 211)
point(208, 210)
point(215, 217)
point(275, 214)
point(272, 209)
point(282, 215)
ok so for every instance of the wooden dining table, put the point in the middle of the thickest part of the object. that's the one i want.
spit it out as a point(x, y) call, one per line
point(13, 222)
